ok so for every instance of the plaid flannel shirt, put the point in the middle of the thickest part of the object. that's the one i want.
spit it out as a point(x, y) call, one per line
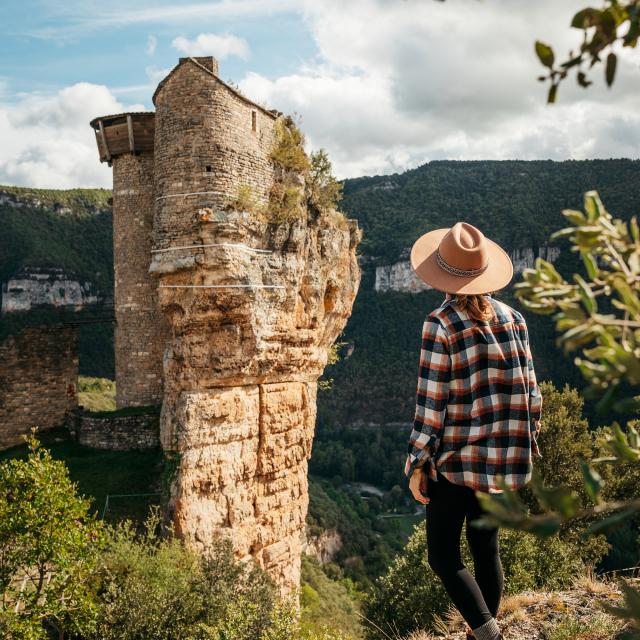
point(478, 401)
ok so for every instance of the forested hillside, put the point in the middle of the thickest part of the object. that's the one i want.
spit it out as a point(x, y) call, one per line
point(517, 203)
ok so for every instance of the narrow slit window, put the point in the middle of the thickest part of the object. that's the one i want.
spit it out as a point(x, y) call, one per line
point(254, 120)
point(208, 168)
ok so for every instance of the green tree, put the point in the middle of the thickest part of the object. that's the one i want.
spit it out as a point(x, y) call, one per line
point(598, 313)
point(154, 587)
point(49, 549)
point(617, 23)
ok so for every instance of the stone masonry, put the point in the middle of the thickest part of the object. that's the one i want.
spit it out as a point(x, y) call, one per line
point(115, 432)
point(141, 332)
point(253, 309)
point(38, 375)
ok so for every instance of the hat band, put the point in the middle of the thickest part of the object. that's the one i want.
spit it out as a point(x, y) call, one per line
point(464, 273)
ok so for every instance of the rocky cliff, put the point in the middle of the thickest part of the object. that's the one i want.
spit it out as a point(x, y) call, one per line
point(54, 249)
point(253, 316)
point(36, 287)
point(399, 276)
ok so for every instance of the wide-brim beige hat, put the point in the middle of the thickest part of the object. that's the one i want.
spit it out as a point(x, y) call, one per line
point(461, 260)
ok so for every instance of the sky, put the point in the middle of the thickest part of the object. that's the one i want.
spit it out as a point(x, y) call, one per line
point(382, 85)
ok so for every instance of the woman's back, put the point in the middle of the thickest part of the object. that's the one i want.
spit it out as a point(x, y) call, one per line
point(478, 401)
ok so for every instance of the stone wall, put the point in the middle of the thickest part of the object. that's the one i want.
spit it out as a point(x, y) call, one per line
point(117, 433)
point(141, 331)
point(205, 148)
point(38, 377)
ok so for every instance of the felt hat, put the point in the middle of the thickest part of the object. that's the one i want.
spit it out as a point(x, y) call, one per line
point(461, 260)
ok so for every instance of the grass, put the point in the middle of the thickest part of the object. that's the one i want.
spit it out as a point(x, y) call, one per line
point(599, 627)
point(96, 394)
point(328, 602)
point(126, 411)
point(99, 473)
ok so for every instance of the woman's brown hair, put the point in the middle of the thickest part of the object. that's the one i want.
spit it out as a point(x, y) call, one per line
point(478, 307)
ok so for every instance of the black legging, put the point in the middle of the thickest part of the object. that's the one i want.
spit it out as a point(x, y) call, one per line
point(477, 598)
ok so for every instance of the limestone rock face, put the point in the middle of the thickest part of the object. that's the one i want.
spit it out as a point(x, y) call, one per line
point(253, 316)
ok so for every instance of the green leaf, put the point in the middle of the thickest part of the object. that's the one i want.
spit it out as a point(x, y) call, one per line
point(586, 294)
point(553, 93)
point(635, 230)
point(577, 217)
point(593, 207)
point(545, 54)
point(563, 233)
point(590, 264)
point(592, 481)
point(585, 18)
point(559, 499)
point(610, 72)
point(627, 405)
point(610, 522)
point(543, 526)
point(620, 445)
point(583, 81)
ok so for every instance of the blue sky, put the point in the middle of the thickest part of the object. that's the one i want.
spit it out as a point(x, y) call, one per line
point(46, 45)
point(383, 85)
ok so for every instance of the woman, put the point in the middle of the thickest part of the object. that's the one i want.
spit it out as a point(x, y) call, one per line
point(477, 413)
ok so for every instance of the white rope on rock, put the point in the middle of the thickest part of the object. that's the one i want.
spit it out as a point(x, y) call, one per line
point(192, 193)
point(221, 286)
point(238, 245)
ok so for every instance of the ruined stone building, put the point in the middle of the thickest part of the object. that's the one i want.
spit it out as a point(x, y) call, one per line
point(223, 313)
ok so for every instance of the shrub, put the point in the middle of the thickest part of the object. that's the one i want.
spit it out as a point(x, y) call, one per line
point(158, 589)
point(49, 549)
point(288, 150)
point(285, 202)
point(410, 595)
point(323, 190)
point(245, 200)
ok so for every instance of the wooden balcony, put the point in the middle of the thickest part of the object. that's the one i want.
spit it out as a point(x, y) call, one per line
point(123, 133)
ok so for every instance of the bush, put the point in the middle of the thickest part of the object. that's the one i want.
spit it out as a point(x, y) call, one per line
point(324, 191)
point(288, 150)
point(158, 589)
point(410, 595)
point(49, 549)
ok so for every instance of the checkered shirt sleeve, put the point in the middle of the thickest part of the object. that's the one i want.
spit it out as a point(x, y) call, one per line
point(535, 396)
point(432, 395)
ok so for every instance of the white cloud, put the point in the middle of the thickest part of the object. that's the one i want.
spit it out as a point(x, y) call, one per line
point(152, 44)
point(47, 141)
point(213, 44)
point(429, 80)
point(155, 74)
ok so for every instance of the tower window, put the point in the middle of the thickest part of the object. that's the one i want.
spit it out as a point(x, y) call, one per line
point(254, 120)
point(208, 168)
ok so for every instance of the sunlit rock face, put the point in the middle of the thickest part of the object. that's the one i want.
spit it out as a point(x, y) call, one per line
point(253, 309)
point(399, 276)
point(240, 378)
point(54, 287)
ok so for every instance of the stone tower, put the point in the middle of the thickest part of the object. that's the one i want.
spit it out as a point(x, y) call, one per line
point(125, 141)
point(253, 309)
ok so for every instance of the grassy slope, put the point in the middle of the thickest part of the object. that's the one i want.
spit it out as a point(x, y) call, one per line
point(100, 473)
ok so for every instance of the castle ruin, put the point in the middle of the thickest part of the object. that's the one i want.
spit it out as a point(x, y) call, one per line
point(223, 313)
